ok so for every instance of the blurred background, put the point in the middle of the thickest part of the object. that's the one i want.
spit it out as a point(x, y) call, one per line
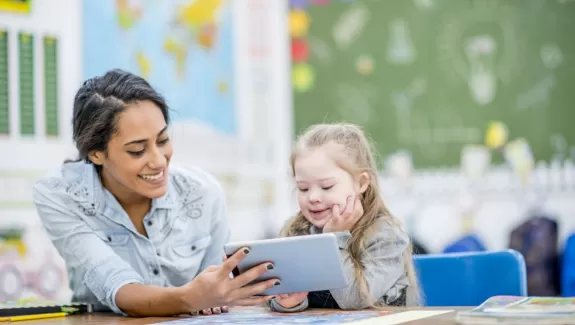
point(469, 103)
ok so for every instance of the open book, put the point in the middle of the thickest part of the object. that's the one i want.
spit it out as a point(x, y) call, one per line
point(521, 310)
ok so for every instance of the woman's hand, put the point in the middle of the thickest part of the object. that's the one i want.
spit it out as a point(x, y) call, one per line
point(291, 300)
point(211, 311)
point(214, 287)
point(347, 219)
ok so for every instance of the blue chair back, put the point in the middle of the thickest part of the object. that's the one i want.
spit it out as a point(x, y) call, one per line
point(468, 243)
point(468, 279)
point(568, 268)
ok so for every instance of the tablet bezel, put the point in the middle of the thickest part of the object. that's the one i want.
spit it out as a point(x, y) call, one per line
point(325, 264)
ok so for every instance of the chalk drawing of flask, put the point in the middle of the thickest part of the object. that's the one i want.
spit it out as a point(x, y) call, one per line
point(400, 49)
point(480, 51)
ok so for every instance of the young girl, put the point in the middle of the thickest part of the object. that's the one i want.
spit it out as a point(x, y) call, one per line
point(338, 191)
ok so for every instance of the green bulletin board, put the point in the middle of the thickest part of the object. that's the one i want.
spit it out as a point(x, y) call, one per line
point(26, 82)
point(428, 75)
point(4, 99)
point(51, 85)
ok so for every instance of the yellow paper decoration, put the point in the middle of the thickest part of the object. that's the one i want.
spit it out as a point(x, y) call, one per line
point(299, 22)
point(302, 77)
point(496, 135)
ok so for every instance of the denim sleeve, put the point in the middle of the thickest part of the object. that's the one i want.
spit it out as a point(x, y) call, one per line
point(103, 272)
point(382, 263)
point(219, 231)
point(276, 307)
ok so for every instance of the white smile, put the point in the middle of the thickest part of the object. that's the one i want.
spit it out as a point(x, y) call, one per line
point(152, 177)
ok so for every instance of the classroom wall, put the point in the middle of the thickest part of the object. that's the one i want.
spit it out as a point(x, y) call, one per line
point(27, 157)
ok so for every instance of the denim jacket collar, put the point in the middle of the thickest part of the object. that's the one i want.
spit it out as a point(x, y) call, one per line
point(105, 204)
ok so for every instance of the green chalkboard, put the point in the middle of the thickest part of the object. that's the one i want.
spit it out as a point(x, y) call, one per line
point(429, 75)
point(51, 85)
point(26, 83)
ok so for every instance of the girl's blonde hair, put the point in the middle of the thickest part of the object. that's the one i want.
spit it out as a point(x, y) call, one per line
point(355, 155)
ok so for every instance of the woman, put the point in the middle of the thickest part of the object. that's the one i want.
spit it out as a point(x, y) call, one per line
point(139, 237)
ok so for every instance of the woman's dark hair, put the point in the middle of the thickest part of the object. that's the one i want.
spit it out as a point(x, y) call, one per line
point(98, 103)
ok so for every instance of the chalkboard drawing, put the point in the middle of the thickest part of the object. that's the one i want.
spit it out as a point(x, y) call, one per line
point(496, 135)
point(424, 4)
point(480, 51)
point(302, 77)
point(364, 65)
point(403, 100)
point(299, 22)
point(354, 102)
point(483, 46)
point(320, 50)
point(350, 25)
point(400, 49)
point(551, 56)
point(537, 96)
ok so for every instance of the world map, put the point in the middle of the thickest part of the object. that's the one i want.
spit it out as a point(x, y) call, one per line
point(184, 48)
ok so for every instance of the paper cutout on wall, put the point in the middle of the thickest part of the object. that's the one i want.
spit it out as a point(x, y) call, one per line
point(496, 135)
point(518, 155)
point(298, 4)
point(299, 22)
point(299, 50)
point(16, 6)
point(302, 77)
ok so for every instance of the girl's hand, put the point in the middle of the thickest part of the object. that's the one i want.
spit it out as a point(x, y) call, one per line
point(345, 221)
point(291, 300)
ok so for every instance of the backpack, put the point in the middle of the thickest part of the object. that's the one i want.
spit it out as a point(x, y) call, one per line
point(536, 239)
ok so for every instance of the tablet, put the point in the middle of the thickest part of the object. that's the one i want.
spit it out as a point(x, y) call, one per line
point(302, 263)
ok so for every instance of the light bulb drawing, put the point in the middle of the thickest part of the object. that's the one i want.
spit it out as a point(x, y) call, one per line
point(480, 51)
point(481, 47)
point(400, 49)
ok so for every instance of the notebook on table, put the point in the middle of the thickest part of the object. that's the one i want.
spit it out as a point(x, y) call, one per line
point(521, 310)
point(32, 306)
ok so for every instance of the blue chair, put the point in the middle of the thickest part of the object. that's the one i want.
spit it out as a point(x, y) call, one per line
point(568, 268)
point(468, 279)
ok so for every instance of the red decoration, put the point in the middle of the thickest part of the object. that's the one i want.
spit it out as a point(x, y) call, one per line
point(299, 50)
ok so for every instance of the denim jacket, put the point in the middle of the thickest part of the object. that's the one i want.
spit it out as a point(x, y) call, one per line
point(103, 251)
point(384, 273)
